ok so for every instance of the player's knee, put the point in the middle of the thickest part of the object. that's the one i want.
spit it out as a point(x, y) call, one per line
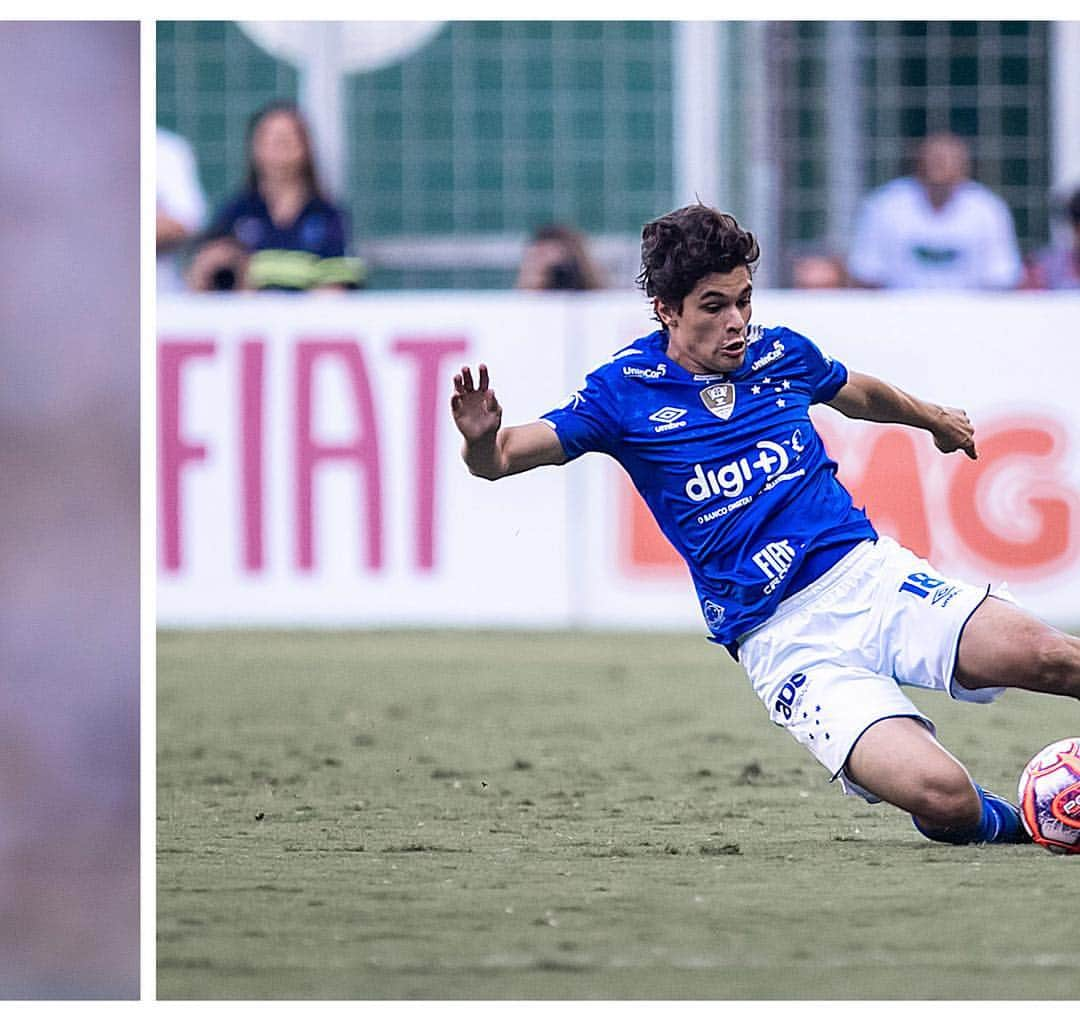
point(1056, 661)
point(947, 798)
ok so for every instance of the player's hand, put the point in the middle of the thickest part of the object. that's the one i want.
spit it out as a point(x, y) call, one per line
point(953, 431)
point(477, 413)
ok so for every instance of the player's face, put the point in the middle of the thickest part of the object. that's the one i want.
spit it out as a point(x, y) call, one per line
point(709, 334)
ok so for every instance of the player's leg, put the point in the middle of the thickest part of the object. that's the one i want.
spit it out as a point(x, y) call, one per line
point(874, 740)
point(827, 670)
point(1002, 646)
point(948, 635)
point(901, 762)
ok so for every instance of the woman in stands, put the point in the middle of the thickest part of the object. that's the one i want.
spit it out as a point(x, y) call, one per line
point(288, 235)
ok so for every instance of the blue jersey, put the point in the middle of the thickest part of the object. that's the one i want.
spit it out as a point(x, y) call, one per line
point(729, 464)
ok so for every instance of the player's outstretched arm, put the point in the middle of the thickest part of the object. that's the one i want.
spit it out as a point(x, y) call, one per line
point(490, 450)
point(867, 397)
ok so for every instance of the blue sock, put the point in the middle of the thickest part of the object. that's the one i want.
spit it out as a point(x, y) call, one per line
point(999, 824)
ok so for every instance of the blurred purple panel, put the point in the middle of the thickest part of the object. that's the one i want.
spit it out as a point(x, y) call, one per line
point(69, 510)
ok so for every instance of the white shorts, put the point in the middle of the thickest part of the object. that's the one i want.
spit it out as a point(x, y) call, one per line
point(828, 664)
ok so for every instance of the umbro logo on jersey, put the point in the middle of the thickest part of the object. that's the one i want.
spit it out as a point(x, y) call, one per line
point(669, 418)
point(719, 399)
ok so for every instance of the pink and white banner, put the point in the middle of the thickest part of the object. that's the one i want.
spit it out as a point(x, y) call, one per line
point(308, 470)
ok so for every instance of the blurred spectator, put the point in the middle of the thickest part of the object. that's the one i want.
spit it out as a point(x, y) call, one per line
point(1058, 266)
point(69, 516)
point(295, 236)
point(557, 260)
point(938, 229)
point(818, 271)
point(181, 206)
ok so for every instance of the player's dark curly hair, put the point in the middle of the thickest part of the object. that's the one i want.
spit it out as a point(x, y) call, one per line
point(681, 247)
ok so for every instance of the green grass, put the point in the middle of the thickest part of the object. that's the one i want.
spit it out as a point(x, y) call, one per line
point(449, 815)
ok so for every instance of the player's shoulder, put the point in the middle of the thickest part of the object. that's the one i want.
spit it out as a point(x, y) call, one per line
point(767, 345)
point(642, 349)
point(645, 357)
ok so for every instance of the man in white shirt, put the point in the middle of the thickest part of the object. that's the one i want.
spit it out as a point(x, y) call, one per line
point(938, 229)
point(181, 207)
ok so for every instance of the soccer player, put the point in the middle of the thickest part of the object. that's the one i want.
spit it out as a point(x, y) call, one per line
point(709, 416)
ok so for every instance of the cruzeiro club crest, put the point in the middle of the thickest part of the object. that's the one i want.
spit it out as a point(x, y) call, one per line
point(719, 398)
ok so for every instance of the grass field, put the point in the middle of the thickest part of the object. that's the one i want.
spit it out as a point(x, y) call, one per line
point(449, 815)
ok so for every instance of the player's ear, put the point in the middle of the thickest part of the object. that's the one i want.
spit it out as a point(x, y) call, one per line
point(664, 313)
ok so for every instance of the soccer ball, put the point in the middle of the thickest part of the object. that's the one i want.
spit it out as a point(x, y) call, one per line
point(1049, 796)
